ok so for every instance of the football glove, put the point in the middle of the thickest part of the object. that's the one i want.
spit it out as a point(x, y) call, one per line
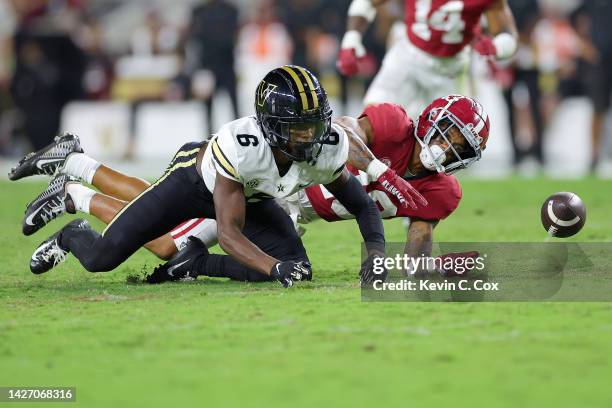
point(399, 190)
point(351, 52)
point(484, 45)
point(288, 271)
point(370, 272)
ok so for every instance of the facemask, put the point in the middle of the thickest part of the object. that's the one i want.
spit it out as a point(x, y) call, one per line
point(432, 156)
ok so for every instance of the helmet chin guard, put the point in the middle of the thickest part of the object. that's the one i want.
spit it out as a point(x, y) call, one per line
point(461, 112)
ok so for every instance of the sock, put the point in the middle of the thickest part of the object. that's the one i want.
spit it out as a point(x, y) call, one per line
point(81, 196)
point(81, 166)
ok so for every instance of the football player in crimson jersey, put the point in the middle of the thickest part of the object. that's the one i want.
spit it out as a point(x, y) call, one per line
point(427, 62)
point(450, 134)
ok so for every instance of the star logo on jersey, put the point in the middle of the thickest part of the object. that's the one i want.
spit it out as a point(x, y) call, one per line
point(253, 183)
point(280, 188)
point(263, 91)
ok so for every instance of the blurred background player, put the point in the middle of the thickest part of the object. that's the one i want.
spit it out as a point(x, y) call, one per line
point(428, 61)
point(599, 83)
point(142, 88)
point(213, 31)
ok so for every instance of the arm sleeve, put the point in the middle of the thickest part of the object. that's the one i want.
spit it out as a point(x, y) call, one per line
point(354, 198)
point(389, 121)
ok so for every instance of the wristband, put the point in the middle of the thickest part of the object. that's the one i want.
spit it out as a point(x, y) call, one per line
point(362, 8)
point(375, 169)
point(351, 39)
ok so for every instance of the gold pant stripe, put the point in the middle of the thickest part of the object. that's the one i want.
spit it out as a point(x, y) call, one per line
point(315, 100)
point(162, 178)
point(187, 153)
point(299, 85)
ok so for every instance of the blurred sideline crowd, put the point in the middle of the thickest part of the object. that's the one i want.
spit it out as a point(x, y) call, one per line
point(53, 52)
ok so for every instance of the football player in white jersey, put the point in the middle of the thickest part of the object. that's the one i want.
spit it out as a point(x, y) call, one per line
point(291, 144)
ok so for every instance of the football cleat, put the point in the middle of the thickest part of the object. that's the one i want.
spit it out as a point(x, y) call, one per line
point(50, 253)
point(180, 266)
point(48, 160)
point(49, 205)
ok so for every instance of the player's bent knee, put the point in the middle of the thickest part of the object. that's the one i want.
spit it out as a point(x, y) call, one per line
point(99, 264)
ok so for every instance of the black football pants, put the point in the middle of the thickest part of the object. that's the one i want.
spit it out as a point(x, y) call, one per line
point(179, 195)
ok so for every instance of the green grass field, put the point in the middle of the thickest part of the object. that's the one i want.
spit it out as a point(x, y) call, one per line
point(217, 343)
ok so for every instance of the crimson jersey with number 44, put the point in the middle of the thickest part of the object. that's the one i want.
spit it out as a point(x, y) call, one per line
point(441, 27)
point(393, 143)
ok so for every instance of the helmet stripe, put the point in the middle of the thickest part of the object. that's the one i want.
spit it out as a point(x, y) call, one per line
point(309, 81)
point(298, 84)
point(480, 125)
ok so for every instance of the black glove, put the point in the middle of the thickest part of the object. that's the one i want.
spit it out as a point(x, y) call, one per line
point(370, 272)
point(288, 271)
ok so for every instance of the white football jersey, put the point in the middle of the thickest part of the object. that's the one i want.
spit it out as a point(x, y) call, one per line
point(240, 152)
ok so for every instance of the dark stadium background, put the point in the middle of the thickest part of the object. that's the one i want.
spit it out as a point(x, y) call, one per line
point(135, 79)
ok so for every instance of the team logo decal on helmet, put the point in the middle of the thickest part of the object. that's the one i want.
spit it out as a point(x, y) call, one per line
point(293, 112)
point(263, 91)
point(436, 121)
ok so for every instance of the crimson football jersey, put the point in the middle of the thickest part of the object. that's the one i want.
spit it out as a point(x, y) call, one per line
point(393, 144)
point(441, 27)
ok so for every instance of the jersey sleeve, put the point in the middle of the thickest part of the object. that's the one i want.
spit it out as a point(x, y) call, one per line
point(389, 121)
point(339, 155)
point(225, 155)
point(442, 192)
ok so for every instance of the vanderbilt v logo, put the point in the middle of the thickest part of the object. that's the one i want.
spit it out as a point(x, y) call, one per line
point(263, 91)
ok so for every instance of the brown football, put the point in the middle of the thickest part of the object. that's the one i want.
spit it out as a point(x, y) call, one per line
point(563, 214)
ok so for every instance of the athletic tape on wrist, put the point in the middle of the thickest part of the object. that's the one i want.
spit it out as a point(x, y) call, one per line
point(362, 8)
point(505, 45)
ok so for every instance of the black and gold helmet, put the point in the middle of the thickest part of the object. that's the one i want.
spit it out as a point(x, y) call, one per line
point(293, 112)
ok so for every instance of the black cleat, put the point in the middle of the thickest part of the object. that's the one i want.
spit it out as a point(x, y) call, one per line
point(49, 159)
point(50, 253)
point(49, 205)
point(180, 266)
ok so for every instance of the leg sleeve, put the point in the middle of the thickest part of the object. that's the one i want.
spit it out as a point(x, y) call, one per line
point(204, 229)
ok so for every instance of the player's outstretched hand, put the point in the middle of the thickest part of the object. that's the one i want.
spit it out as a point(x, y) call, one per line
point(372, 271)
point(288, 271)
point(399, 189)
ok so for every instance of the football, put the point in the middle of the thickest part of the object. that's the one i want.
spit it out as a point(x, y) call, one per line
point(563, 214)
